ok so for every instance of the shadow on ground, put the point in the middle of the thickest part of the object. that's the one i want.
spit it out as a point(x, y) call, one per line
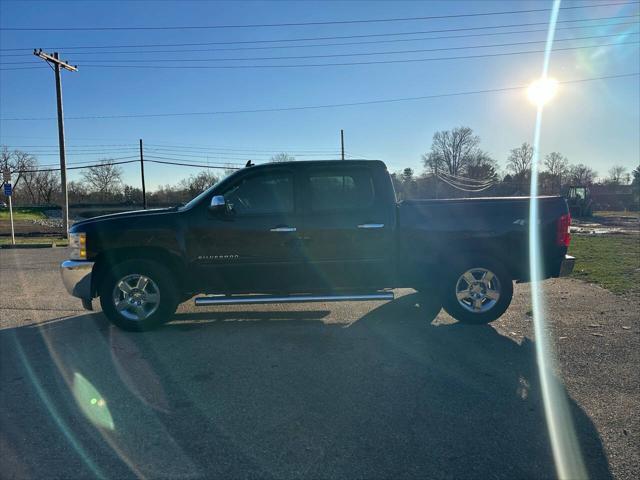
point(277, 394)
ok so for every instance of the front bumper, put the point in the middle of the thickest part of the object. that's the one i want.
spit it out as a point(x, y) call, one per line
point(566, 267)
point(76, 276)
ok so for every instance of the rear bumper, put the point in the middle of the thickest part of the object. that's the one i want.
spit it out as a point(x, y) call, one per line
point(76, 276)
point(566, 266)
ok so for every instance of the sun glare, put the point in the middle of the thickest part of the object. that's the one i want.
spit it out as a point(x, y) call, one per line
point(542, 90)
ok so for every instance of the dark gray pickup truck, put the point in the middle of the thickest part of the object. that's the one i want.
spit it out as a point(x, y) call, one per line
point(311, 231)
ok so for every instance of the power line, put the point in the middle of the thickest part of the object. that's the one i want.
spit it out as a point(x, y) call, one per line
point(305, 24)
point(336, 55)
point(163, 146)
point(232, 149)
point(464, 181)
point(313, 107)
point(334, 44)
point(463, 188)
point(69, 168)
point(306, 39)
point(340, 64)
point(173, 161)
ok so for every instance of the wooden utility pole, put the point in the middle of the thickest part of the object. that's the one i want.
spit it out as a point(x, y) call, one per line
point(57, 64)
point(144, 191)
point(342, 143)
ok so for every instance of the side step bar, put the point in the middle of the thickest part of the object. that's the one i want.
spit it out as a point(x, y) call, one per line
point(262, 299)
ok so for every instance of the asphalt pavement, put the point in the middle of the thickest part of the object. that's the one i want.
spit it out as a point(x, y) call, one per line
point(346, 390)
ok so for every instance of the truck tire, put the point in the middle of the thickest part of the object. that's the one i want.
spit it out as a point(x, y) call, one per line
point(138, 295)
point(477, 292)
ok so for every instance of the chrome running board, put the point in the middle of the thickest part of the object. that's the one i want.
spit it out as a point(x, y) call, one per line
point(258, 299)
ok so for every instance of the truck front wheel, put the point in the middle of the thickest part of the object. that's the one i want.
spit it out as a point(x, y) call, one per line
point(478, 292)
point(138, 295)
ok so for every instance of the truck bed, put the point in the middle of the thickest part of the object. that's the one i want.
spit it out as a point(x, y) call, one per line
point(433, 230)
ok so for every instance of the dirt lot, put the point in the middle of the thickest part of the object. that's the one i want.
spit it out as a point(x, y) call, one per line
point(608, 223)
point(367, 390)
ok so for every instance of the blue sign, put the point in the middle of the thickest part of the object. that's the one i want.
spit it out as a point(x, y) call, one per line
point(7, 189)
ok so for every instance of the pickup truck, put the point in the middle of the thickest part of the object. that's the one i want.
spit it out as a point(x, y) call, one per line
point(311, 231)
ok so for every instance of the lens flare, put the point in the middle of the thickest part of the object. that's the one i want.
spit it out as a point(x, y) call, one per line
point(541, 91)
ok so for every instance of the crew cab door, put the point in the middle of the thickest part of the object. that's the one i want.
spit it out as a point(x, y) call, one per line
point(348, 227)
point(253, 248)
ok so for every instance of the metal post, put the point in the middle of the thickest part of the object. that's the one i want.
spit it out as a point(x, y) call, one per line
point(63, 162)
point(342, 142)
point(144, 191)
point(13, 235)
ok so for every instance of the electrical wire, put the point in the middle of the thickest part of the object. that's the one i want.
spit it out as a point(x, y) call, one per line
point(313, 107)
point(517, 32)
point(307, 39)
point(317, 23)
point(465, 189)
point(68, 168)
point(172, 161)
point(336, 64)
point(464, 179)
point(334, 55)
point(230, 155)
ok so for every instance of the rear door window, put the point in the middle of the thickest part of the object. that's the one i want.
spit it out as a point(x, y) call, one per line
point(332, 191)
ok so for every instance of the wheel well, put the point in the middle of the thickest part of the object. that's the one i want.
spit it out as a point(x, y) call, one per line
point(158, 255)
point(511, 266)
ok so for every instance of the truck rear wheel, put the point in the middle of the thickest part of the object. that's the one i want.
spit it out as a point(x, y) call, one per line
point(138, 295)
point(478, 292)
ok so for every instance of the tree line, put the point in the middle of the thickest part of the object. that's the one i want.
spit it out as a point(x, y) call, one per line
point(455, 166)
point(99, 183)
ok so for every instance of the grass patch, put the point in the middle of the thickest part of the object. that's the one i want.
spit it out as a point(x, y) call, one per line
point(59, 241)
point(612, 261)
point(20, 213)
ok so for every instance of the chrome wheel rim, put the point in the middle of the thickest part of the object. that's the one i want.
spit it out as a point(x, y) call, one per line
point(478, 290)
point(136, 297)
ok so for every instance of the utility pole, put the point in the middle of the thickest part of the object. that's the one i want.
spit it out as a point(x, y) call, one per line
point(144, 191)
point(57, 64)
point(342, 142)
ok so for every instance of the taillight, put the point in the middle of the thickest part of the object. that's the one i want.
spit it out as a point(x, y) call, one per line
point(563, 238)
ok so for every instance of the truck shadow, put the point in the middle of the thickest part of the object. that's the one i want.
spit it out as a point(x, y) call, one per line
point(236, 394)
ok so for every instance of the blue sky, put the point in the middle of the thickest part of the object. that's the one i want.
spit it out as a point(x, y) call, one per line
point(595, 122)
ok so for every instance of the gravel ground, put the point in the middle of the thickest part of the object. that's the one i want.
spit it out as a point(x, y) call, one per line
point(366, 390)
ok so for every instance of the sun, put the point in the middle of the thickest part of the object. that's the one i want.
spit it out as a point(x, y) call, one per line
point(541, 91)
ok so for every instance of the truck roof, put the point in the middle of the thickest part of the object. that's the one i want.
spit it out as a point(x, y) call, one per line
point(322, 163)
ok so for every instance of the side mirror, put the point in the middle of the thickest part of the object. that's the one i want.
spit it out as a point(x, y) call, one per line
point(218, 204)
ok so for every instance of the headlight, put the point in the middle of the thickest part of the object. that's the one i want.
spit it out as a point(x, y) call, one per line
point(78, 244)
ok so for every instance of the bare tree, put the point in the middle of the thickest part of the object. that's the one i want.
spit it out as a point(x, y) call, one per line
point(482, 167)
point(618, 175)
point(17, 161)
point(283, 157)
point(519, 161)
point(47, 184)
point(197, 184)
point(557, 167)
point(77, 192)
point(556, 164)
point(104, 179)
point(452, 150)
point(581, 175)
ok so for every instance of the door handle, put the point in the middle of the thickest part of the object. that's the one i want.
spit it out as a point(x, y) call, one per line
point(283, 229)
point(371, 225)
